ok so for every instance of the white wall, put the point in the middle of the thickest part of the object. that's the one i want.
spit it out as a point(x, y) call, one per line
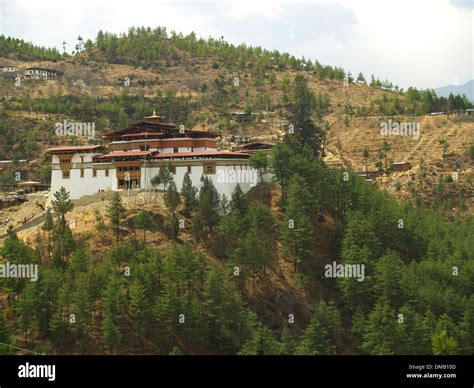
point(225, 179)
point(78, 186)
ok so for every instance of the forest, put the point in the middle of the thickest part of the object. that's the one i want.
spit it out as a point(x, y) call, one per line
point(416, 297)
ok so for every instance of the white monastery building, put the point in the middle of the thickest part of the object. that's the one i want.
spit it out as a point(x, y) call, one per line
point(135, 155)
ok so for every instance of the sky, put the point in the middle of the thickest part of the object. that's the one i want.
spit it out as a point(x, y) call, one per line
point(421, 43)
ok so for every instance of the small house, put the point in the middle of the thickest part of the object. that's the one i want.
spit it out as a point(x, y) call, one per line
point(400, 166)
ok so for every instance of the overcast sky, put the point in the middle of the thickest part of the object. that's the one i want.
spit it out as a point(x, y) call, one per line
point(422, 43)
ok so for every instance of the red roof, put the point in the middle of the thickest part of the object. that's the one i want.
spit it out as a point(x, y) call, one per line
point(141, 134)
point(205, 153)
point(74, 148)
point(125, 153)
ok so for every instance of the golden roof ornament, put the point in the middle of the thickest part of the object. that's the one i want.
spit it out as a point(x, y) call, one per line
point(153, 116)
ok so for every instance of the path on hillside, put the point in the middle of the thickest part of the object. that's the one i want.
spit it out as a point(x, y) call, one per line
point(432, 137)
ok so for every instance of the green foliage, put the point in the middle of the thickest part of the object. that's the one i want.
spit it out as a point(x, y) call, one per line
point(189, 193)
point(172, 198)
point(259, 161)
point(320, 335)
point(297, 229)
point(206, 217)
point(26, 51)
point(143, 221)
point(61, 202)
point(303, 110)
point(115, 213)
point(256, 249)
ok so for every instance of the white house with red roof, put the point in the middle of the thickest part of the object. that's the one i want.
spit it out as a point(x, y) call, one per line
point(135, 155)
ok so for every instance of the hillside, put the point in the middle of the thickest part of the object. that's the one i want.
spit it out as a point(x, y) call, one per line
point(142, 273)
point(196, 92)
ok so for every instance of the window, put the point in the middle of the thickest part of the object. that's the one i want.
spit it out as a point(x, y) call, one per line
point(65, 174)
point(94, 173)
point(175, 150)
point(106, 172)
point(173, 170)
point(82, 173)
point(189, 169)
point(209, 169)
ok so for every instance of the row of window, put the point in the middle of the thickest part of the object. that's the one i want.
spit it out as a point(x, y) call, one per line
point(128, 168)
point(208, 169)
point(67, 175)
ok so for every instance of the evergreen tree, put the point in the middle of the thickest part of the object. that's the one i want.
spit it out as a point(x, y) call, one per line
point(61, 202)
point(259, 161)
point(237, 201)
point(207, 215)
point(115, 213)
point(262, 344)
point(298, 233)
point(114, 312)
point(366, 158)
point(256, 249)
point(302, 109)
point(143, 221)
point(320, 335)
point(361, 78)
point(172, 198)
point(4, 335)
point(139, 310)
point(189, 193)
point(382, 331)
point(48, 226)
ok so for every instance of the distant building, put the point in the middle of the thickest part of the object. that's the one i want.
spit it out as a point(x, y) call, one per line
point(257, 146)
point(470, 112)
point(9, 163)
point(7, 69)
point(39, 73)
point(370, 174)
point(242, 116)
point(400, 166)
point(240, 139)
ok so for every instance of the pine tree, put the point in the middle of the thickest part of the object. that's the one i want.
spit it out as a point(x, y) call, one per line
point(287, 342)
point(99, 221)
point(320, 335)
point(361, 78)
point(61, 202)
point(111, 335)
point(143, 221)
point(189, 193)
point(297, 230)
point(302, 109)
point(262, 344)
point(4, 330)
point(172, 198)
point(114, 312)
point(237, 201)
point(366, 158)
point(259, 161)
point(80, 261)
point(256, 249)
point(48, 226)
point(81, 309)
point(115, 213)
point(139, 309)
point(207, 215)
point(381, 334)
